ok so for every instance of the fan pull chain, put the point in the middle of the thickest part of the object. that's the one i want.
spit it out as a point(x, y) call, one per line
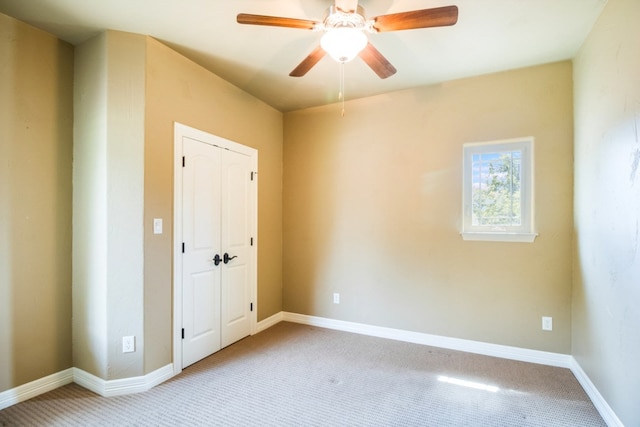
point(341, 90)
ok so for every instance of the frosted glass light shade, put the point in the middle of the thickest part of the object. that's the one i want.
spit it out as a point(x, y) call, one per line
point(343, 43)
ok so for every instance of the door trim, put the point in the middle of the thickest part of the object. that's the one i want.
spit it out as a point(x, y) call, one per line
point(181, 131)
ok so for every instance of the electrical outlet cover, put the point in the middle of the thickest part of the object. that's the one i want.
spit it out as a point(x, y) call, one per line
point(128, 344)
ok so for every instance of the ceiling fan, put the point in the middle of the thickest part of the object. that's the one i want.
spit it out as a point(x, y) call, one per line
point(344, 30)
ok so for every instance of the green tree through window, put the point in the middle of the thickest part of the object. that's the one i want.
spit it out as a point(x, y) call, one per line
point(496, 198)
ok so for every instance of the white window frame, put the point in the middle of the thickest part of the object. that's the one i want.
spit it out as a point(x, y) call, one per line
point(523, 233)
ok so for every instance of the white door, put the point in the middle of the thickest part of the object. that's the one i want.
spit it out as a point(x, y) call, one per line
point(236, 243)
point(217, 214)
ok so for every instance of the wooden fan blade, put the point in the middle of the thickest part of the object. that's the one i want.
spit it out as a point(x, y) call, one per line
point(307, 63)
point(377, 62)
point(425, 18)
point(347, 6)
point(275, 21)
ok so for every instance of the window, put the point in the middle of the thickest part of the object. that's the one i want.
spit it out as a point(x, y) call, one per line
point(498, 191)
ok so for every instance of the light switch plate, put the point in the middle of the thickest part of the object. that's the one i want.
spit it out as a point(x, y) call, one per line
point(157, 226)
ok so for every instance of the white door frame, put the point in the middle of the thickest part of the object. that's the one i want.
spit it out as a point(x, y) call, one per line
point(181, 131)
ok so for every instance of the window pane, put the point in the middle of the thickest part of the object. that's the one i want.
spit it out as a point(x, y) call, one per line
point(495, 183)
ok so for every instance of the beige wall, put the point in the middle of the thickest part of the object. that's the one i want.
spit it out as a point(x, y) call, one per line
point(606, 292)
point(372, 210)
point(108, 204)
point(178, 90)
point(90, 207)
point(36, 90)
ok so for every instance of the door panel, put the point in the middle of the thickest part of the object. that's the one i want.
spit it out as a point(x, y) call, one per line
point(204, 319)
point(201, 235)
point(235, 235)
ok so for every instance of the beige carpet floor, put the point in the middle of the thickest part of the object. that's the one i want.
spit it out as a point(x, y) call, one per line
point(297, 375)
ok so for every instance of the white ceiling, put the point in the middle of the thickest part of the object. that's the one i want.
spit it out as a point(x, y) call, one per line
point(490, 36)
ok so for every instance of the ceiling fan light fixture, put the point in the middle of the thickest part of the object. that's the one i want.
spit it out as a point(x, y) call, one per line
point(344, 27)
point(343, 43)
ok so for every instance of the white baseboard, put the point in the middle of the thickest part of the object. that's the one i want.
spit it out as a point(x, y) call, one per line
point(35, 388)
point(601, 405)
point(109, 388)
point(496, 350)
point(269, 322)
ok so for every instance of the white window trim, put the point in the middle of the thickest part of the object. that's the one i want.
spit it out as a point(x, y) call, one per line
point(527, 233)
point(498, 236)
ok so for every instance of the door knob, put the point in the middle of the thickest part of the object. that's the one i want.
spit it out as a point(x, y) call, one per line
point(216, 259)
point(227, 258)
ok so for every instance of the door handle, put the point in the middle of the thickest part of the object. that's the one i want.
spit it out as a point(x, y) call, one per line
point(216, 259)
point(227, 258)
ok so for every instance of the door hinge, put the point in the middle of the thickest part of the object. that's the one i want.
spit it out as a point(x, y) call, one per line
point(250, 307)
point(182, 333)
point(182, 247)
point(252, 241)
point(252, 174)
point(183, 161)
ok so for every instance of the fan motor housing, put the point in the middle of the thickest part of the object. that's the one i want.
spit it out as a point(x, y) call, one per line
point(336, 18)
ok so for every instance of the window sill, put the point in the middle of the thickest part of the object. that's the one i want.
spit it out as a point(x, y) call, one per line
point(499, 237)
